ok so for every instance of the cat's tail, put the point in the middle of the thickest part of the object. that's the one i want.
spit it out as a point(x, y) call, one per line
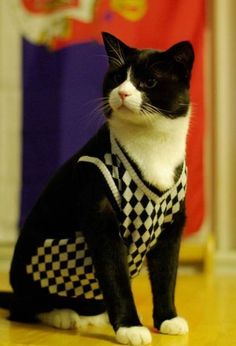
point(6, 300)
point(20, 309)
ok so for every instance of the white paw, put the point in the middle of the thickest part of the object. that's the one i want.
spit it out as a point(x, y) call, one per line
point(175, 326)
point(63, 319)
point(97, 320)
point(133, 336)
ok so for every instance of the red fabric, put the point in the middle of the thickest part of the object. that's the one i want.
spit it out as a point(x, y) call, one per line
point(157, 24)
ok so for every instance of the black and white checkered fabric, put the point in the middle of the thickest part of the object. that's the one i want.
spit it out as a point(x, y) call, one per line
point(65, 266)
point(143, 214)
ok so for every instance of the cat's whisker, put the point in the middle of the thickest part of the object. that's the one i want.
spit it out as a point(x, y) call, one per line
point(97, 99)
point(116, 61)
point(100, 108)
point(150, 108)
point(148, 117)
point(156, 109)
point(102, 105)
point(121, 54)
point(101, 55)
point(118, 54)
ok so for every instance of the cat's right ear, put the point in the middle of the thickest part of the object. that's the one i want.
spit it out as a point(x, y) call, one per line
point(183, 54)
point(117, 51)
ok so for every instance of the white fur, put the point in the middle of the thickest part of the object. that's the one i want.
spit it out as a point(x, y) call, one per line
point(175, 326)
point(131, 103)
point(156, 143)
point(133, 336)
point(98, 320)
point(69, 319)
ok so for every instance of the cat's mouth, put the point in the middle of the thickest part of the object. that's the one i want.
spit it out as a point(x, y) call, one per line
point(123, 107)
point(126, 107)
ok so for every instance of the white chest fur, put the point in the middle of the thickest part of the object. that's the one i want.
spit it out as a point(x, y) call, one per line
point(157, 148)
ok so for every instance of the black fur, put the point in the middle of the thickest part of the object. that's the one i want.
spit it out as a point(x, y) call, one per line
point(162, 264)
point(171, 70)
point(77, 198)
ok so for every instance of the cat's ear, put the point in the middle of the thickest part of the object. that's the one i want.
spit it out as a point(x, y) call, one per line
point(183, 54)
point(117, 50)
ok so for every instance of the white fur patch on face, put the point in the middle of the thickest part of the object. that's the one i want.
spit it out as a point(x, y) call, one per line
point(174, 326)
point(134, 336)
point(125, 98)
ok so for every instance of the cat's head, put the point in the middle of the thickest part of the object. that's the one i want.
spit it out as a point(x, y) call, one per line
point(143, 84)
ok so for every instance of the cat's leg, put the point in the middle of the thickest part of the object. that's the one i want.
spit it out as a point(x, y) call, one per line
point(162, 264)
point(69, 319)
point(110, 261)
point(32, 309)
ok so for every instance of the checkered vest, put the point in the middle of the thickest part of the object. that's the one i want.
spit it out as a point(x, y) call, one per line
point(65, 266)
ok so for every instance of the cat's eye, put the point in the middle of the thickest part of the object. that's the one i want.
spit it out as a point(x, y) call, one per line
point(150, 83)
point(118, 78)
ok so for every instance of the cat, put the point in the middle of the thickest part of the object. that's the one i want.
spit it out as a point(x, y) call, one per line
point(119, 201)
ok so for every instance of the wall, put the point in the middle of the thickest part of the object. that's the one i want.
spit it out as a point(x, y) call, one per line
point(10, 125)
point(224, 125)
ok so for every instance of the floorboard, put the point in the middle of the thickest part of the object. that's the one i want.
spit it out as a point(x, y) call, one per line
point(207, 302)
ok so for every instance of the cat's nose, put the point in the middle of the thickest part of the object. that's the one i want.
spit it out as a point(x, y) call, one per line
point(123, 94)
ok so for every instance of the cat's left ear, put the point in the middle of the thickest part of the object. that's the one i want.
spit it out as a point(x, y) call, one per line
point(183, 54)
point(117, 50)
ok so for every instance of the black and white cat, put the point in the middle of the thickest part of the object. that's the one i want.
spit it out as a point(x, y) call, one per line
point(115, 203)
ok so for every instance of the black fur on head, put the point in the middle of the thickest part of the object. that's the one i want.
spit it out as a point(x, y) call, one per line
point(163, 77)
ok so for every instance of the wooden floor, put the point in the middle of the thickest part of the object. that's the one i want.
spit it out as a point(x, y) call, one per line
point(208, 303)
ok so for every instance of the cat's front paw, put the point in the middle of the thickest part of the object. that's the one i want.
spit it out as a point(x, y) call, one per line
point(134, 336)
point(174, 326)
